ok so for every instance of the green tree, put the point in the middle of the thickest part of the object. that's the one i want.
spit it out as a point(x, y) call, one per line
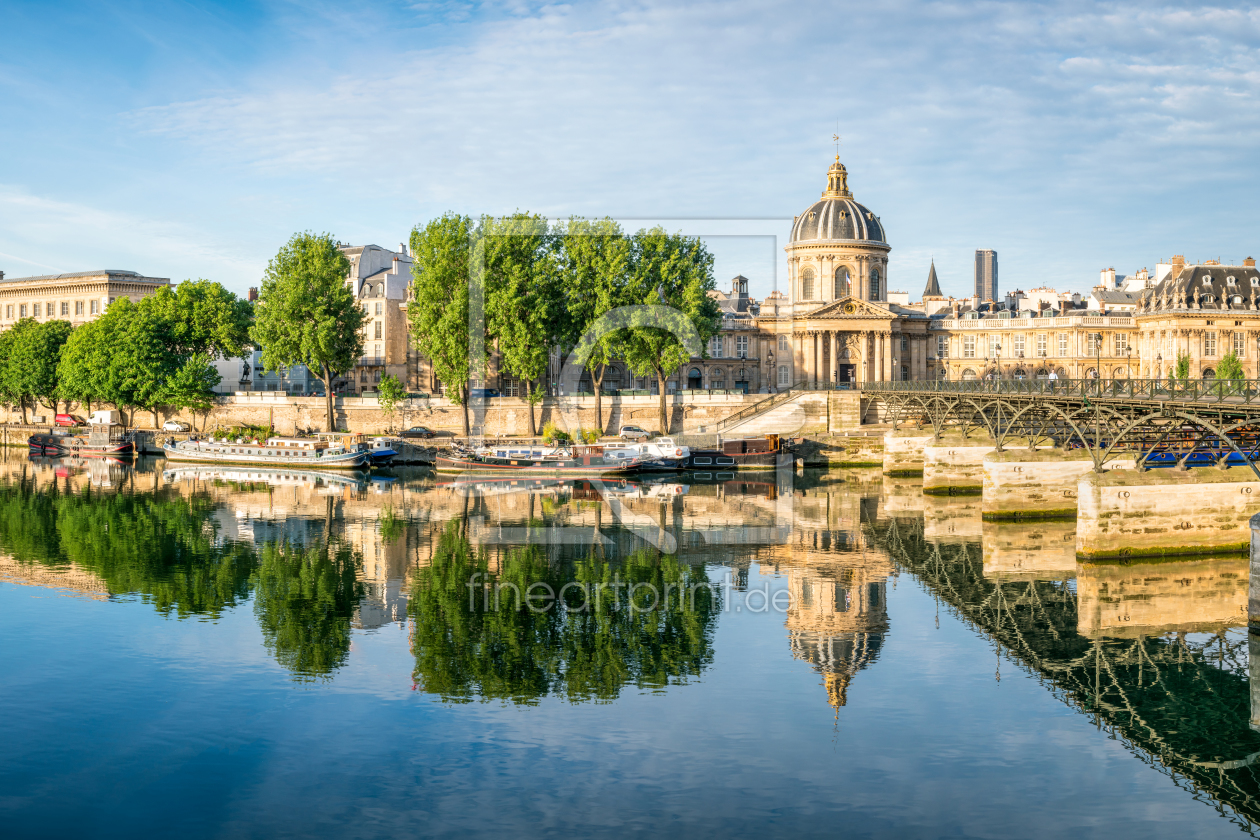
point(32, 360)
point(1181, 369)
point(438, 310)
point(596, 264)
point(203, 318)
point(83, 366)
point(192, 385)
point(306, 313)
point(304, 597)
point(675, 271)
point(389, 393)
point(523, 299)
point(1230, 368)
point(18, 362)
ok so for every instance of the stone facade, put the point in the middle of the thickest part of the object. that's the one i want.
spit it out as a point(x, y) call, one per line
point(78, 298)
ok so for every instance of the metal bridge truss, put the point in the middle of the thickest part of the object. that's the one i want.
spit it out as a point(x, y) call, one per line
point(1180, 703)
point(1216, 423)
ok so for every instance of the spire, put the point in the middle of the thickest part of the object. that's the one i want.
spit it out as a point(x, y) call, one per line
point(933, 288)
point(837, 181)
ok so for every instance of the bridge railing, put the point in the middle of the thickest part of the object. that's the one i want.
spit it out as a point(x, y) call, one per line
point(1224, 391)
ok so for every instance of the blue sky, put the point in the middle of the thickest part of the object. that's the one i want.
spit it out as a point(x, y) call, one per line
point(190, 140)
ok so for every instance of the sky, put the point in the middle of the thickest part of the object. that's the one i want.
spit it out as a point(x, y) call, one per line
point(188, 139)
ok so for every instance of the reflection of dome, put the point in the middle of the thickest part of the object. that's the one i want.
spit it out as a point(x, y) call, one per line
point(837, 215)
point(838, 658)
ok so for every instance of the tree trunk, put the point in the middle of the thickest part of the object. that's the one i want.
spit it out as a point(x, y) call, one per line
point(660, 378)
point(529, 398)
point(153, 411)
point(598, 382)
point(463, 390)
point(326, 377)
point(23, 404)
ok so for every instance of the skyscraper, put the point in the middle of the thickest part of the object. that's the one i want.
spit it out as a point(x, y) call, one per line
point(986, 275)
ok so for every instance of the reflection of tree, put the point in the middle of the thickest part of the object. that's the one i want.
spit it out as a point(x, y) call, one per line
point(465, 647)
point(304, 597)
point(161, 546)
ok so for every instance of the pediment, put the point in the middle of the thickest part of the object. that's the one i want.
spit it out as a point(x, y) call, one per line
point(848, 307)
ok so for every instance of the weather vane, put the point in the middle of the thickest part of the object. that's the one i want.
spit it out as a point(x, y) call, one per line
point(835, 138)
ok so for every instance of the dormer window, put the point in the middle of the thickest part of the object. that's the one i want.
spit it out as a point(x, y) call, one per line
point(1207, 281)
point(1208, 299)
point(1230, 280)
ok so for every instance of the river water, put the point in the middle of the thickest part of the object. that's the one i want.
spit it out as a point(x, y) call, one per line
point(200, 653)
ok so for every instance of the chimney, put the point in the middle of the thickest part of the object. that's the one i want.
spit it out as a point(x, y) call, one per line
point(253, 293)
point(1178, 263)
point(1250, 262)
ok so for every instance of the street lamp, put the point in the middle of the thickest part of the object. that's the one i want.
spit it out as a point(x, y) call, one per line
point(1098, 340)
point(772, 383)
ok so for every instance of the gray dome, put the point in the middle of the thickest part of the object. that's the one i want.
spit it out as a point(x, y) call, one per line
point(837, 218)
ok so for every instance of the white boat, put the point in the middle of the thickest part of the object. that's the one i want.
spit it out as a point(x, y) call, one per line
point(262, 475)
point(298, 453)
point(662, 453)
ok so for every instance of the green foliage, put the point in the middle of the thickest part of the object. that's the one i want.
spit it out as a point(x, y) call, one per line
point(202, 318)
point(306, 313)
point(485, 642)
point(192, 385)
point(552, 434)
point(523, 296)
point(246, 432)
point(31, 361)
point(390, 392)
point(675, 271)
point(438, 310)
point(1230, 368)
point(304, 597)
point(1181, 369)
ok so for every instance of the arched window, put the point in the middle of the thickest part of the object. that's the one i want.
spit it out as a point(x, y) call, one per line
point(1020, 373)
point(807, 283)
point(785, 376)
point(785, 346)
point(694, 380)
point(875, 284)
point(717, 378)
point(1208, 373)
point(842, 283)
point(968, 375)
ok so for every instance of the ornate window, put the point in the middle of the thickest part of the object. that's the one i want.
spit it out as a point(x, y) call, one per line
point(1240, 344)
point(968, 375)
point(842, 283)
point(807, 283)
point(1209, 343)
point(875, 284)
point(969, 347)
point(785, 346)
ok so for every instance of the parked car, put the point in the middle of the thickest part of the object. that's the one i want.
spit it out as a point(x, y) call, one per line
point(69, 420)
point(175, 426)
point(418, 432)
point(635, 433)
point(484, 392)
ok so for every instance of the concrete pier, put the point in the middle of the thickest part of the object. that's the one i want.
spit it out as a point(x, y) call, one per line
point(1040, 550)
point(1165, 512)
point(1253, 590)
point(1037, 484)
point(1145, 599)
point(954, 465)
point(903, 451)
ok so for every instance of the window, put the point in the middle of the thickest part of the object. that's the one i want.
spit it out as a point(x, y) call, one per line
point(842, 283)
point(1091, 344)
point(942, 347)
point(8, 312)
point(1119, 344)
point(93, 306)
point(784, 345)
point(78, 307)
point(65, 308)
point(717, 378)
point(1063, 342)
point(807, 283)
point(741, 346)
point(995, 345)
point(50, 309)
point(969, 346)
point(380, 326)
point(1041, 344)
point(784, 376)
point(715, 347)
point(377, 351)
point(905, 344)
point(22, 310)
point(376, 376)
point(380, 308)
point(875, 284)
point(1019, 344)
point(1240, 344)
point(35, 310)
point(1209, 343)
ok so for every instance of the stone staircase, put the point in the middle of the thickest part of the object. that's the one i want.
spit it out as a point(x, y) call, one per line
point(780, 414)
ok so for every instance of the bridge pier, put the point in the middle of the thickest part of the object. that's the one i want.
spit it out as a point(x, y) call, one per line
point(903, 451)
point(1029, 550)
point(1128, 600)
point(1165, 513)
point(1038, 484)
point(952, 518)
point(954, 465)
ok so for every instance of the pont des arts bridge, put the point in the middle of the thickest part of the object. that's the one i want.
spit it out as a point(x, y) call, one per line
point(1146, 467)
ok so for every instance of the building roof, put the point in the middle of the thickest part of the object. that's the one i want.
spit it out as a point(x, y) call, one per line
point(837, 216)
point(1209, 287)
point(110, 272)
point(933, 288)
point(1116, 296)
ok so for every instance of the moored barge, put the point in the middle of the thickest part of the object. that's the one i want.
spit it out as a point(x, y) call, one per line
point(102, 440)
point(561, 460)
point(744, 454)
point(299, 453)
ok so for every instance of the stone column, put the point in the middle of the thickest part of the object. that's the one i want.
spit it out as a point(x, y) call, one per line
point(810, 362)
point(889, 376)
point(834, 339)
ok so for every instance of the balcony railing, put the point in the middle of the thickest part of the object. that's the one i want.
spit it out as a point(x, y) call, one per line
point(371, 361)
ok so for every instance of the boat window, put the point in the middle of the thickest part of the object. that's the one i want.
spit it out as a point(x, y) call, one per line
point(501, 454)
point(726, 460)
point(703, 461)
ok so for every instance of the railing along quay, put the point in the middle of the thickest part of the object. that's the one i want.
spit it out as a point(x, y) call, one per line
point(1240, 392)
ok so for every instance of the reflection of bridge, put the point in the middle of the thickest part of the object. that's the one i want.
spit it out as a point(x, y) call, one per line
point(1180, 704)
point(1189, 421)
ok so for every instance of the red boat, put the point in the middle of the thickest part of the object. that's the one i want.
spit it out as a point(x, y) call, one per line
point(101, 440)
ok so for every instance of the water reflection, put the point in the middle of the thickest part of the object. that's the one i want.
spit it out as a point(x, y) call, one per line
point(1156, 654)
